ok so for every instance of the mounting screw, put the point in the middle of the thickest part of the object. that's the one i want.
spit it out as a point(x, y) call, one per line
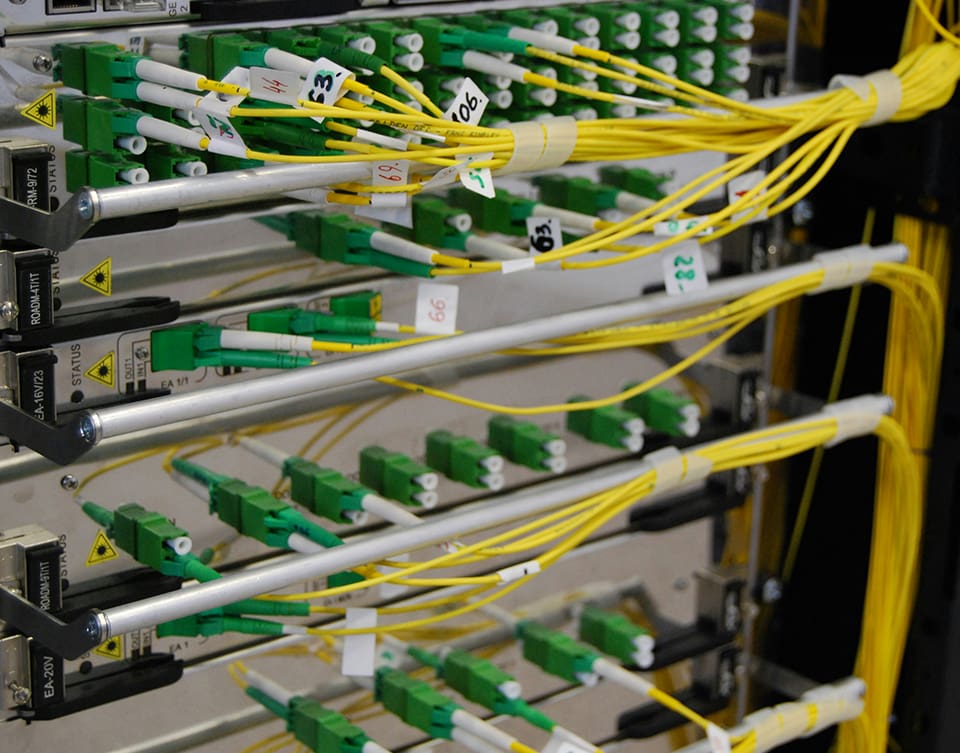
point(92, 628)
point(88, 430)
point(69, 482)
point(9, 310)
point(141, 352)
point(42, 63)
point(21, 695)
point(85, 208)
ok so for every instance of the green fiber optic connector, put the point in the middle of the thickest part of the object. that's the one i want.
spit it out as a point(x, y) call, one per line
point(367, 304)
point(351, 50)
point(698, 22)
point(659, 60)
point(396, 44)
point(465, 460)
point(636, 180)
point(398, 477)
point(345, 37)
point(529, 19)
point(98, 69)
point(186, 347)
point(100, 170)
point(224, 52)
point(666, 411)
point(324, 491)
point(574, 24)
point(615, 20)
point(614, 634)
point(321, 729)
point(735, 21)
point(215, 622)
point(658, 25)
point(505, 213)
point(524, 96)
point(576, 194)
point(339, 238)
point(165, 161)
point(295, 321)
point(97, 124)
point(444, 43)
point(415, 702)
point(610, 425)
point(436, 223)
point(527, 444)
point(556, 653)
point(272, 133)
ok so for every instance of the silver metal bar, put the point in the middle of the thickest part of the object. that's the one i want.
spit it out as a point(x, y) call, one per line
point(120, 420)
point(793, 27)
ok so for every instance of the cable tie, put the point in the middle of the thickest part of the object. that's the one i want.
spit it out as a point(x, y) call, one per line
point(521, 570)
point(845, 268)
point(857, 417)
point(885, 84)
point(541, 146)
point(674, 468)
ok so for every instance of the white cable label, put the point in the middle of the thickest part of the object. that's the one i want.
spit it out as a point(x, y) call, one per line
point(521, 570)
point(509, 266)
point(543, 234)
point(676, 227)
point(213, 113)
point(272, 85)
point(324, 82)
point(390, 207)
point(719, 739)
point(477, 179)
point(437, 308)
point(683, 268)
point(743, 184)
point(443, 177)
point(469, 104)
point(359, 650)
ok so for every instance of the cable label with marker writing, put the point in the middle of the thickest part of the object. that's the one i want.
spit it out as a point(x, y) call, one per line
point(469, 104)
point(683, 268)
point(273, 85)
point(393, 207)
point(437, 308)
point(543, 234)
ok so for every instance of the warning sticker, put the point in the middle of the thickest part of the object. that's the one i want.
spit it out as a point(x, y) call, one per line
point(43, 111)
point(101, 551)
point(112, 649)
point(100, 278)
point(104, 371)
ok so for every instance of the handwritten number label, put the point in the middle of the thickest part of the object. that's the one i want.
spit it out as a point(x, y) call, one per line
point(393, 207)
point(469, 104)
point(676, 227)
point(275, 86)
point(324, 83)
point(683, 269)
point(543, 234)
point(437, 308)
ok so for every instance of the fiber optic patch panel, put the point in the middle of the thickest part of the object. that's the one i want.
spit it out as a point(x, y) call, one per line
point(383, 376)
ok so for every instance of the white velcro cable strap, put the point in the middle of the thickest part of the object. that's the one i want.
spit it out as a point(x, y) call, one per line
point(521, 570)
point(674, 468)
point(719, 739)
point(886, 84)
point(541, 146)
point(858, 416)
point(845, 268)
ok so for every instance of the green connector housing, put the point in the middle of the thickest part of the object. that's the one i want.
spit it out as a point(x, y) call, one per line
point(573, 24)
point(323, 491)
point(95, 124)
point(186, 347)
point(392, 474)
point(143, 534)
point(614, 20)
point(477, 680)
point(269, 133)
point(415, 702)
point(296, 321)
point(366, 304)
point(575, 194)
point(635, 180)
point(665, 411)
point(385, 34)
point(611, 425)
point(98, 69)
point(323, 730)
point(97, 170)
point(251, 510)
point(221, 53)
point(214, 622)
point(615, 634)
point(431, 223)
point(164, 161)
point(461, 458)
point(505, 213)
point(524, 443)
point(171, 349)
point(444, 43)
point(340, 238)
point(555, 653)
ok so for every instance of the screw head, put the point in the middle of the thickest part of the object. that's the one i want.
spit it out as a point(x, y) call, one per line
point(9, 310)
point(85, 208)
point(69, 482)
point(88, 430)
point(42, 63)
point(21, 695)
point(141, 353)
point(92, 628)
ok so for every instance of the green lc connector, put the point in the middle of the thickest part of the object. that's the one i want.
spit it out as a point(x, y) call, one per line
point(295, 321)
point(636, 180)
point(614, 634)
point(444, 43)
point(504, 213)
point(415, 702)
point(98, 69)
point(695, 65)
point(398, 477)
point(185, 347)
point(556, 653)
point(528, 19)
point(658, 24)
point(732, 64)
point(735, 22)
point(323, 730)
point(217, 622)
point(165, 161)
point(666, 411)
point(465, 460)
point(436, 223)
point(324, 491)
point(616, 22)
point(366, 304)
point(527, 444)
point(340, 238)
point(99, 170)
point(576, 194)
point(99, 125)
point(610, 425)
point(698, 21)
point(398, 45)
point(575, 24)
